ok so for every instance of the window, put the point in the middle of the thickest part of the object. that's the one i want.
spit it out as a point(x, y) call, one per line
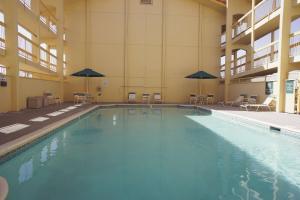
point(65, 64)
point(24, 43)
point(3, 70)
point(52, 27)
point(26, 3)
point(43, 55)
point(2, 31)
point(25, 74)
point(53, 59)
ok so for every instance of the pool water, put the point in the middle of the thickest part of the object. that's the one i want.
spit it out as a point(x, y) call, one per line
point(156, 154)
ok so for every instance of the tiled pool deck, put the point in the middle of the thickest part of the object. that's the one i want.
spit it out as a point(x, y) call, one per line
point(286, 121)
point(24, 117)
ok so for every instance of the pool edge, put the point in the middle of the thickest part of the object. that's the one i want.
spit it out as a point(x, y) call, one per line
point(253, 122)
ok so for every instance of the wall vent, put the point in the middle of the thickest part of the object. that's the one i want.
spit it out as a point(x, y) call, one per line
point(147, 2)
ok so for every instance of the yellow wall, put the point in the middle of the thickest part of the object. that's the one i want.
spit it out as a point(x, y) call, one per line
point(150, 52)
point(5, 93)
point(40, 86)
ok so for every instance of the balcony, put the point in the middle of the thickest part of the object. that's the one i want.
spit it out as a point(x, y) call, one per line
point(35, 55)
point(295, 47)
point(47, 18)
point(266, 19)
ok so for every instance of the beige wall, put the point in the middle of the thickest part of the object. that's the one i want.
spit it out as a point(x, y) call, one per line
point(143, 48)
point(28, 87)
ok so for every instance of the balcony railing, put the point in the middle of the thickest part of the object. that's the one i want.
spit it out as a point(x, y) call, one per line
point(48, 18)
point(265, 8)
point(266, 55)
point(261, 10)
point(243, 24)
point(29, 50)
point(295, 44)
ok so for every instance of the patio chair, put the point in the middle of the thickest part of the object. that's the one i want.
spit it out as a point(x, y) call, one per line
point(146, 98)
point(210, 99)
point(237, 102)
point(157, 98)
point(131, 97)
point(79, 98)
point(266, 104)
point(193, 99)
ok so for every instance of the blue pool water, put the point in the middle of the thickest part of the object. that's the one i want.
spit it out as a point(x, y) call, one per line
point(156, 154)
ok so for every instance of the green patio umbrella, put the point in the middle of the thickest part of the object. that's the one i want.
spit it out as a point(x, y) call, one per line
point(87, 73)
point(201, 75)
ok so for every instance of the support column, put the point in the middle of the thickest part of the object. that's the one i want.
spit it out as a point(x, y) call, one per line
point(283, 52)
point(125, 51)
point(12, 59)
point(252, 35)
point(164, 51)
point(60, 46)
point(228, 50)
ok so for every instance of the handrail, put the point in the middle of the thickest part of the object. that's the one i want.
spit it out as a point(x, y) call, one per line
point(267, 46)
point(242, 18)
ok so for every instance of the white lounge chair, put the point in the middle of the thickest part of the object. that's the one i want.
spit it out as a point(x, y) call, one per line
point(238, 101)
point(157, 98)
point(266, 104)
point(131, 97)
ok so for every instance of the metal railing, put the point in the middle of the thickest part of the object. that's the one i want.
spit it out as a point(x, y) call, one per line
point(243, 24)
point(266, 55)
point(265, 8)
point(295, 44)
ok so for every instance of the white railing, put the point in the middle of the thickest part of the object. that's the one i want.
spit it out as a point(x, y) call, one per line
point(243, 24)
point(295, 44)
point(265, 8)
point(266, 55)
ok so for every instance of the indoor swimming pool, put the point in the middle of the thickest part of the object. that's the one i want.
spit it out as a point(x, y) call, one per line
point(128, 153)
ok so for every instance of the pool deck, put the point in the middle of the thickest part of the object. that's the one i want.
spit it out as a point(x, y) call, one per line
point(24, 117)
point(286, 121)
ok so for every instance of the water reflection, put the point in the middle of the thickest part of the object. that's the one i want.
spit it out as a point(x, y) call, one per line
point(53, 147)
point(26, 171)
point(44, 154)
